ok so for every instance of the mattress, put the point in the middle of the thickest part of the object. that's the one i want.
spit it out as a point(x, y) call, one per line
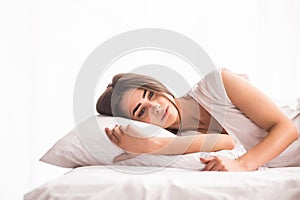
point(136, 182)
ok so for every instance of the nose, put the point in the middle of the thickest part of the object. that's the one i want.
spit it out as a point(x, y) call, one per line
point(156, 109)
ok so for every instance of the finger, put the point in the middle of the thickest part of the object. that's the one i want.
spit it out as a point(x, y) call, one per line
point(108, 132)
point(124, 129)
point(130, 129)
point(219, 166)
point(205, 160)
point(116, 126)
point(111, 136)
point(216, 167)
point(115, 137)
point(116, 131)
point(209, 165)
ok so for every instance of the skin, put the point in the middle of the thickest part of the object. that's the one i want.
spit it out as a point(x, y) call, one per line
point(159, 109)
point(151, 106)
point(127, 138)
point(256, 106)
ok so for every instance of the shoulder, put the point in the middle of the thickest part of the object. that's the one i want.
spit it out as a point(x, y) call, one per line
point(211, 86)
point(212, 77)
point(251, 101)
point(216, 76)
point(221, 81)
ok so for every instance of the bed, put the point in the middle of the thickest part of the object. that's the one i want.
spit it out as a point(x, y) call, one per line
point(137, 182)
point(95, 174)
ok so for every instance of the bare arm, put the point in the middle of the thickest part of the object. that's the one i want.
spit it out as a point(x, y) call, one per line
point(262, 111)
point(168, 145)
point(192, 144)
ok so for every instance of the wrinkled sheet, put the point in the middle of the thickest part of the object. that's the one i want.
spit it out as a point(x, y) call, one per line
point(134, 182)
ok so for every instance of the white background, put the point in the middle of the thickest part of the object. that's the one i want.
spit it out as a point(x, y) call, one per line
point(44, 43)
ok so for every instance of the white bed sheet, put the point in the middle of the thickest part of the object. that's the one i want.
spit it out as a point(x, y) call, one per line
point(105, 182)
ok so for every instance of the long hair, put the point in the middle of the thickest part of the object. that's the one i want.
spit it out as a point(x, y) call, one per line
point(108, 102)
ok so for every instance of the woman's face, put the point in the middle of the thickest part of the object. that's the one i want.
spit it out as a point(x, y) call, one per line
point(147, 106)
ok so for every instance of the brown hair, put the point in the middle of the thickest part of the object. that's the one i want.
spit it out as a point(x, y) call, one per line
point(108, 102)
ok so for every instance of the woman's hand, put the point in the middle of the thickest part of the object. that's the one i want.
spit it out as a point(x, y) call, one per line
point(129, 139)
point(222, 164)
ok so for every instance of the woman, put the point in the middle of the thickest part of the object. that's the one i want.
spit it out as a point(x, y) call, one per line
point(222, 102)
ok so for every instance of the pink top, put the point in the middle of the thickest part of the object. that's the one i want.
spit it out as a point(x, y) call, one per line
point(210, 93)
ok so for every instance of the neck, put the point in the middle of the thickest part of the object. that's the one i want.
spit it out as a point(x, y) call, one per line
point(176, 124)
point(188, 114)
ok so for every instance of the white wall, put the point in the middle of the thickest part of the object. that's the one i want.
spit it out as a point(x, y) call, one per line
point(44, 43)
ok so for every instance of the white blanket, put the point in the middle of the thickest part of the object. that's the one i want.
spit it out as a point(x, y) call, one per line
point(130, 182)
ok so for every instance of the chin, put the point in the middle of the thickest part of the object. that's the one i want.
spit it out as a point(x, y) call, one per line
point(167, 124)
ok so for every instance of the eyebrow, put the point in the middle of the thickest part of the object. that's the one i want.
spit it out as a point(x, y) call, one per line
point(144, 94)
point(137, 107)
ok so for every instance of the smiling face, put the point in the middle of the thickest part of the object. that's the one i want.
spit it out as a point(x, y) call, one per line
point(150, 107)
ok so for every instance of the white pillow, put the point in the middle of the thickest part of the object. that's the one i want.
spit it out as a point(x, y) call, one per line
point(88, 144)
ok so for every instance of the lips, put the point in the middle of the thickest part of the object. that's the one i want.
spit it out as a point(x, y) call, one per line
point(165, 113)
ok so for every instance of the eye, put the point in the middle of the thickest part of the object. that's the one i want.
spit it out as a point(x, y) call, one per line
point(150, 95)
point(142, 111)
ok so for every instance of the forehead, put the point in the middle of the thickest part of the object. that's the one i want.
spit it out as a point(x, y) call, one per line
point(130, 100)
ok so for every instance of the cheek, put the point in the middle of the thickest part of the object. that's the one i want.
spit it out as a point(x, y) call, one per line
point(173, 112)
point(172, 116)
point(147, 119)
